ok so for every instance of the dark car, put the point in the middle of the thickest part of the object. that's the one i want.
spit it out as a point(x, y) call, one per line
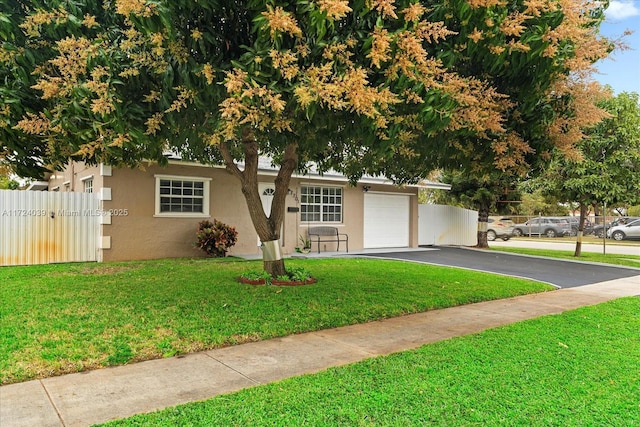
point(574, 221)
point(598, 230)
point(543, 226)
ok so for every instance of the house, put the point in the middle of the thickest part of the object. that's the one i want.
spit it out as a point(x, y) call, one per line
point(153, 211)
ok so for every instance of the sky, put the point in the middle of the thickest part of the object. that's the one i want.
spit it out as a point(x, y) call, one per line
point(621, 70)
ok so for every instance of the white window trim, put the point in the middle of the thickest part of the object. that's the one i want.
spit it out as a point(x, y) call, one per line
point(318, 184)
point(205, 200)
point(333, 223)
point(85, 180)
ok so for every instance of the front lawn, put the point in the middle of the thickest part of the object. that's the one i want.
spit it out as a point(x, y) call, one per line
point(580, 368)
point(57, 319)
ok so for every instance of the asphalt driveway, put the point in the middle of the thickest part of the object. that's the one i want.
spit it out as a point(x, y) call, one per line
point(560, 273)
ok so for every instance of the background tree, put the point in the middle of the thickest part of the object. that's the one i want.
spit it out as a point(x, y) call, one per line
point(608, 169)
point(368, 86)
point(537, 203)
point(484, 192)
point(7, 182)
point(545, 114)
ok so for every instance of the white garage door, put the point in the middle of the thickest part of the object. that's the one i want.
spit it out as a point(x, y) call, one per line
point(386, 220)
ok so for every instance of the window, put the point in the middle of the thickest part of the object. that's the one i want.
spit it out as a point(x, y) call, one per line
point(88, 185)
point(182, 196)
point(321, 204)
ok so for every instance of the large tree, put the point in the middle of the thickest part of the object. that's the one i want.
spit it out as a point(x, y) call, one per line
point(368, 86)
point(608, 167)
point(545, 115)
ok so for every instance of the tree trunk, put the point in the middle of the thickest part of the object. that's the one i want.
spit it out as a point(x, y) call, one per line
point(483, 218)
point(596, 213)
point(267, 227)
point(275, 268)
point(583, 215)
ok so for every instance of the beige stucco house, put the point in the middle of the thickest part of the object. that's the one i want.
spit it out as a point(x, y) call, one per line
point(153, 212)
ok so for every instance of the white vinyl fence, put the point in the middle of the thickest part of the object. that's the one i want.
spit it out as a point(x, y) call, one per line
point(447, 225)
point(41, 227)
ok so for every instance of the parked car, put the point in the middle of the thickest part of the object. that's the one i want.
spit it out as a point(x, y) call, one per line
point(543, 226)
point(625, 231)
point(574, 221)
point(499, 228)
point(598, 230)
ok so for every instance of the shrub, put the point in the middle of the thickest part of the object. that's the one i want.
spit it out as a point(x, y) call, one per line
point(299, 274)
point(256, 276)
point(215, 238)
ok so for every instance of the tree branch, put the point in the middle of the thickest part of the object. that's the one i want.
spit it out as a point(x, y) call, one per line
point(231, 166)
point(250, 153)
point(288, 166)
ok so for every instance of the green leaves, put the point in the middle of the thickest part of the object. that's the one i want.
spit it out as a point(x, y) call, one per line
point(442, 78)
point(610, 167)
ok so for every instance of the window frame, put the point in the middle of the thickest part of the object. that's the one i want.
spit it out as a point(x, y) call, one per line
point(87, 184)
point(184, 178)
point(322, 204)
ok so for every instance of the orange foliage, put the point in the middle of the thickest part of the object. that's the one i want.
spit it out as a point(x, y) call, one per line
point(341, 79)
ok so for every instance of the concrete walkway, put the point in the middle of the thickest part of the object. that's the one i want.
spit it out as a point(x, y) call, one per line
point(98, 396)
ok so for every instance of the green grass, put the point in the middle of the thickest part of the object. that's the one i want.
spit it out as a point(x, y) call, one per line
point(578, 369)
point(590, 239)
point(57, 319)
point(615, 259)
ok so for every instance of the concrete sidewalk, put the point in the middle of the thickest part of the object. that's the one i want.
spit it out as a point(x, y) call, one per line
point(98, 396)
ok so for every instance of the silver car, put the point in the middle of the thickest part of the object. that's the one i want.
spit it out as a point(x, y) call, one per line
point(543, 226)
point(499, 228)
point(626, 231)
